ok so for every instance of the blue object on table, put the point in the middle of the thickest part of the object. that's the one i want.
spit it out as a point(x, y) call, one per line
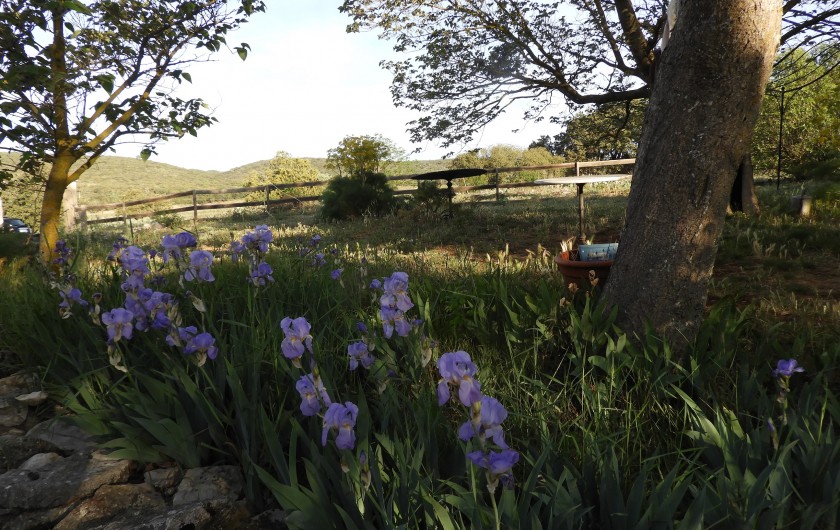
point(599, 252)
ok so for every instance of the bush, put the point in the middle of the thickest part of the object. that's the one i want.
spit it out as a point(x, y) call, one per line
point(284, 169)
point(357, 195)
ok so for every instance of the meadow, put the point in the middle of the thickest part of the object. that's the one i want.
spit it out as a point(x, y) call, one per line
point(321, 354)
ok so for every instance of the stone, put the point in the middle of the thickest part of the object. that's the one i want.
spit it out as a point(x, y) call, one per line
point(33, 399)
point(19, 383)
point(64, 435)
point(59, 482)
point(112, 501)
point(15, 449)
point(39, 460)
point(208, 483)
point(164, 480)
point(12, 412)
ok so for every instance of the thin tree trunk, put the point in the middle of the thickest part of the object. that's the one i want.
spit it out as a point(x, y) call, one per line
point(51, 207)
point(701, 115)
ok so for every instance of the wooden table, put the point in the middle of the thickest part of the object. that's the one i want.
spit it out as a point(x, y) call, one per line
point(581, 181)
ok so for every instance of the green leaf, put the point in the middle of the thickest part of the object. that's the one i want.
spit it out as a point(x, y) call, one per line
point(145, 154)
point(78, 7)
point(187, 76)
point(106, 81)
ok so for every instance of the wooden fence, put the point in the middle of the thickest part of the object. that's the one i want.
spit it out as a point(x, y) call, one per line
point(80, 213)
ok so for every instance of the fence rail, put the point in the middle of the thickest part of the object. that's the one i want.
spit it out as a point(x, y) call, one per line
point(80, 215)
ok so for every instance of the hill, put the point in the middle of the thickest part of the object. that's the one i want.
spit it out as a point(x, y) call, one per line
point(118, 178)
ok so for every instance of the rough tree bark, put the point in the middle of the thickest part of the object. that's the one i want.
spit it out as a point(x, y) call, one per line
point(701, 114)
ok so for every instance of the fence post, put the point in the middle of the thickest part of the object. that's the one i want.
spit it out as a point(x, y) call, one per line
point(83, 218)
point(195, 211)
point(497, 184)
point(69, 204)
point(267, 196)
point(577, 168)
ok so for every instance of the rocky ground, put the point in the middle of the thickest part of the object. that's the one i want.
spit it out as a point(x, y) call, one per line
point(53, 476)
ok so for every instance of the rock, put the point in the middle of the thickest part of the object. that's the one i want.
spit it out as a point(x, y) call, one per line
point(206, 483)
point(15, 449)
point(33, 399)
point(165, 480)
point(112, 501)
point(19, 383)
point(39, 460)
point(59, 482)
point(64, 435)
point(12, 412)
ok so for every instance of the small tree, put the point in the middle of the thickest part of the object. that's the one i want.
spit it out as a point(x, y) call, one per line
point(283, 169)
point(79, 77)
point(357, 155)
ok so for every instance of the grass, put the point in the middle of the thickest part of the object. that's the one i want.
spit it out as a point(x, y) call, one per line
point(611, 434)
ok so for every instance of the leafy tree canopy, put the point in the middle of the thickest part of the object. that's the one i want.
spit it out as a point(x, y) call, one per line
point(357, 155)
point(468, 61)
point(284, 169)
point(76, 78)
point(811, 128)
point(606, 132)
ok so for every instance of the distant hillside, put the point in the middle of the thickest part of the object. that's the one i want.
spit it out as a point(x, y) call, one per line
point(117, 178)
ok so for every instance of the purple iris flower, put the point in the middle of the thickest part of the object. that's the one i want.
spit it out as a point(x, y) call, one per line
point(336, 274)
point(786, 368)
point(376, 284)
point(359, 354)
point(259, 239)
point(202, 343)
point(312, 393)
point(200, 262)
point(118, 323)
point(134, 260)
point(118, 245)
point(183, 335)
point(68, 298)
point(138, 311)
point(173, 246)
point(361, 327)
point(236, 249)
point(157, 306)
point(488, 424)
point(394, 320)
point(318, 260)
point(457, 369)
point(136, 266)
point(497, 463)
point(315, 240)
point(342, 418)
point(396, 292)
point(297, 338)
point(262, 274)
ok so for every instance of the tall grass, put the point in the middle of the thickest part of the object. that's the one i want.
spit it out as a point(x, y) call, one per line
point(612, 433)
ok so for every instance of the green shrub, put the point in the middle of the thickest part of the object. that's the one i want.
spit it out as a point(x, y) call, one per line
point(363, 194)
point(283, 169)
point(430, 198)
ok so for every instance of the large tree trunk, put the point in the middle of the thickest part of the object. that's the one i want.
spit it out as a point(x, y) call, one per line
point(698, 125)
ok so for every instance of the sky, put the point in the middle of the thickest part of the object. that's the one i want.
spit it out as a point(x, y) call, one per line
point(305, 85)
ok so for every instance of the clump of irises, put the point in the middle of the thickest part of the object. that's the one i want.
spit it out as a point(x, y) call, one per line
point(457, 370)
point(149, 310)
point(338, 418)
point(145, 309)
point(254, 246)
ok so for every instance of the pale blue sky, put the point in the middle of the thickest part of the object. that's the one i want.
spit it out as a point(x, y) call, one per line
point(306, 85)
